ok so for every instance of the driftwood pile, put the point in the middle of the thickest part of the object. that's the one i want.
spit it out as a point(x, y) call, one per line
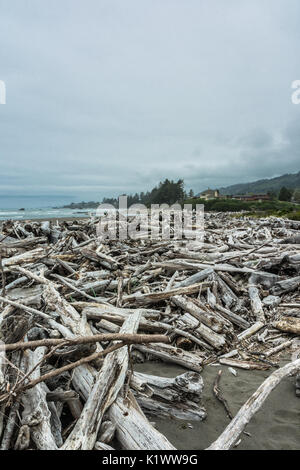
point(77, 313)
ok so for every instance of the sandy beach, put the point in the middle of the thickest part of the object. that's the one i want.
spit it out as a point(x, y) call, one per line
point(202, 322)
point(274, 427)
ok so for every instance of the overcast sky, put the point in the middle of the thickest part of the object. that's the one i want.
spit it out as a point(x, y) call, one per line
point(108, 96)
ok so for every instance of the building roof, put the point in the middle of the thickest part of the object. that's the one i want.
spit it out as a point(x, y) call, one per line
point(209, 191)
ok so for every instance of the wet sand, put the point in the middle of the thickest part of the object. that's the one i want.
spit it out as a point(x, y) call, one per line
point(276, 426)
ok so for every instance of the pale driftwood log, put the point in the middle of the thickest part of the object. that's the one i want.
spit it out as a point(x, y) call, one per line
point(36, 413)
point(243, 364)
point(216, 340)
point(181, 264)
point(230, 435)
point(164, 397)
point(24, 243)
point(233, 317)
point(155, 297)
point(288, 324)
point(195, 278)
point(207, 318)
point(134, 431)
point(27, 257)
point(229, 297)
point(109, 323)
point(68, 315)
point(109, 381)
point(170, 389)
point(256, 303)
point(251, 331)
point(187, 410)
point(285, 286)
point(95, 311)
point(168, 353)
point(107, 431)
point(75, 322)
point(279, 348)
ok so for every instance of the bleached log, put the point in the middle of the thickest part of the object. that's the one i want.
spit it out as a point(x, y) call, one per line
point(164, 397)
point(233, 317)
point(288, 285)
point(216, 340)
point(251, 331)
point(168, 353)
point(180, 264)
point(256, 304)
point(203, 274)
point(230, 435)
point(36, 413)
point(158, 409)
point(109, 381)
point(27, 257)
point(134, 431)
point(204, 317)
point(288, 324)
point(155, 297)
point(279, 348)
point(94, 312)
point(68, 315)
point(242, 364)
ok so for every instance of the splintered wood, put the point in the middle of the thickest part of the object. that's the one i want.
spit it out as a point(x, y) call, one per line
point(77, 312)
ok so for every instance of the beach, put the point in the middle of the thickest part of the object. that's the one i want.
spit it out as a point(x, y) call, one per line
point(188, 311)
point(274, 427)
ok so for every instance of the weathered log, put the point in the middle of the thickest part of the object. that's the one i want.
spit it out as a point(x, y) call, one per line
point(108, 384)
point(204, 317)
point(230, 435)
point(134, 431)
point(164, 397)
point(288, 324)
point(168, 353)
point(216, 340)
point(36, 413)
point(256, 304)
point(155, 297)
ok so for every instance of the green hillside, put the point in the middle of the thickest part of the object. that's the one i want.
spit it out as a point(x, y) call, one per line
point(291, 181)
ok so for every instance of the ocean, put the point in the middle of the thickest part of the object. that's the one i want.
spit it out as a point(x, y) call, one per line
point(39, 207)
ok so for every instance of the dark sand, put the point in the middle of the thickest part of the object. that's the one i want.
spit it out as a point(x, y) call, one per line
point(276, 426)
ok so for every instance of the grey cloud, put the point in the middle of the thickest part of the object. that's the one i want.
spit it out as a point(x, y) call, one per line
point(111, 96)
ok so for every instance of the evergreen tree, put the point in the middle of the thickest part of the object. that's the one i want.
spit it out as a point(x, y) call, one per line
point(285, 194)
point(296, 195)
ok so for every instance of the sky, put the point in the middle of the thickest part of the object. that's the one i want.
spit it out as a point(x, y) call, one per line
point(111, 96)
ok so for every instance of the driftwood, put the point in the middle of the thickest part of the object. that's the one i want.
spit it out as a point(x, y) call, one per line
point(76, 312)
point(109, 382)
point(289, 325)
point(168, 353)
point(163, 397)
point(252, 405)
point(133, 430)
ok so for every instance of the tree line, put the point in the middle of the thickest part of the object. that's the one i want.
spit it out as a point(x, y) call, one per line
point(166, 192)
